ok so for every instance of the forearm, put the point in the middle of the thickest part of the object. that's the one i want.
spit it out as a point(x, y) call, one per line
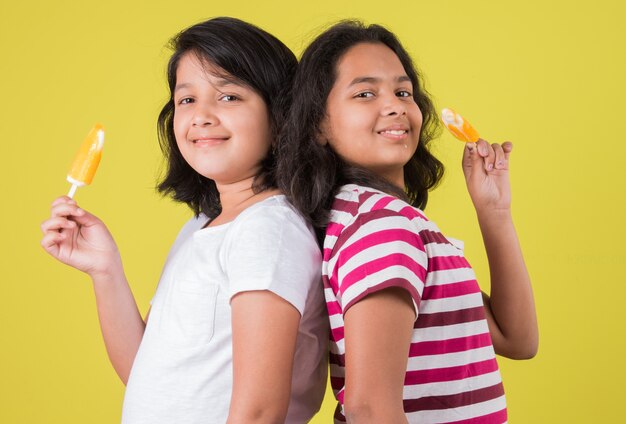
point(510, 309)
point(120, 321)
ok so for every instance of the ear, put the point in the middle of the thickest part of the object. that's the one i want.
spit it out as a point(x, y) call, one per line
point(323, 132)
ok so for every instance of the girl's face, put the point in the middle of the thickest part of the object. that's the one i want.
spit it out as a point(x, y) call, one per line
point(222, 128)
point(371, 117)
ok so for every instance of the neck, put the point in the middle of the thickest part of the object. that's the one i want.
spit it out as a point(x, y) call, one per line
point(393, 177)
point(233, 195)
point(236, 197)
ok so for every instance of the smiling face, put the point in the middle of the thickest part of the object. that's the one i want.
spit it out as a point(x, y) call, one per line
point(372, 119)
point(222, 127)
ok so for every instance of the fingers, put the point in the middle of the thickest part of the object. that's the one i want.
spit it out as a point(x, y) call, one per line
point(51, 240)
point(63, 199)
point(494, 155)
point(65, 207)
point(62, 209)
point(507, 147)
point(500, 162)
point(55, 232)
point(65, 210)
point(65, 218)
point(57, 224)
point(68, 208)
point(486, 151)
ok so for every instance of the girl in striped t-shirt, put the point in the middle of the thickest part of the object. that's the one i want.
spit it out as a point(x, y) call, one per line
point(412, 338)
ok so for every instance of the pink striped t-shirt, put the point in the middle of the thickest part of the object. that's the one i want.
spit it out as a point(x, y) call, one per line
point(375, 241)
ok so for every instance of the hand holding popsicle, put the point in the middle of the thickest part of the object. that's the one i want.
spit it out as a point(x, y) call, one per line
point(87, 160)
point(72, 235)
point(79, 239)
point(485, 165)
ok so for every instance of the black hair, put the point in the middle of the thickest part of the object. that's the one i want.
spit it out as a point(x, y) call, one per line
point(310, 173)
point(250, 56)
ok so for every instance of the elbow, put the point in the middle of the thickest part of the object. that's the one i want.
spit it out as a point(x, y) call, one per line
point(522, 355)
point(530, 351)
point(359, 411)
point(531, 347)
point(356, 412)
point(258, 415)
point(521, 351)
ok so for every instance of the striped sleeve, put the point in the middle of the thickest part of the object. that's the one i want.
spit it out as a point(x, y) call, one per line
point(378, 250)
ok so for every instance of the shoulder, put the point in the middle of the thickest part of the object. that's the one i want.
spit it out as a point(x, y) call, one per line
point(364, 210)
point(270, 247)
point(273, 215)
point(375, 243)
point(191, 226)
point(353, 200)
point(271, 224)
point(274, 206)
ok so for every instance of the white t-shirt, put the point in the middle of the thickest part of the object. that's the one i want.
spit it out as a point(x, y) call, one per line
point(183, 370)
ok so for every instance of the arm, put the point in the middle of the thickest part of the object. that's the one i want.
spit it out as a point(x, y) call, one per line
point(378, 336)
point(265, 327)
point(272, 263)
point(80, 240)
point(510, 308)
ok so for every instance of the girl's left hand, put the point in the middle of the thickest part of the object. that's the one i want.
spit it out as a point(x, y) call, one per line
point(486, 170)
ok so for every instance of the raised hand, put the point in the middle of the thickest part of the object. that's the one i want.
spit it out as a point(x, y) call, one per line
point(510, 307)
point(486, 170)
point(79, 239)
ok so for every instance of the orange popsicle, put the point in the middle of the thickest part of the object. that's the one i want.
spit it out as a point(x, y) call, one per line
point(458, 126)
point(87, 159)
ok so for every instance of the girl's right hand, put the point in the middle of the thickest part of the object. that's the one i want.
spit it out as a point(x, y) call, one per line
point(486, 170)
point(79, 239)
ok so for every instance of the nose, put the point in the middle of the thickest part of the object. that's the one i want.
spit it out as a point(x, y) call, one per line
point(392, 106)
point(203, 116)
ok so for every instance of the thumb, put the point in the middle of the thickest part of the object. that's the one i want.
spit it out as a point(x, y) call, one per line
point(471, 157)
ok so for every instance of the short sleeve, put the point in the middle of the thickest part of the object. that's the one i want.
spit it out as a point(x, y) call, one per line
point(271, 248)
point(380, 249)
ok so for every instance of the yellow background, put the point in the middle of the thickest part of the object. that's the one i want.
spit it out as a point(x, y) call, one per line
point(547, 75)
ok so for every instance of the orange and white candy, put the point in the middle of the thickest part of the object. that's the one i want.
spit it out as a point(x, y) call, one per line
point(458, 126)
point(87, 159)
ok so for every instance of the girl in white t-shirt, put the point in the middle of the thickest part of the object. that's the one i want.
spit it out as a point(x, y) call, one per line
point(238, 328)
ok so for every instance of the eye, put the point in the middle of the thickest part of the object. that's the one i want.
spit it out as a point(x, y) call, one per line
point(184, 101)
point(364, 95)
point(404, 93)
point(229, 98)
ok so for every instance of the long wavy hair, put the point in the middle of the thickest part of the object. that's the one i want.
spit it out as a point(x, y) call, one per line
point(250, 56)
point(310, 173)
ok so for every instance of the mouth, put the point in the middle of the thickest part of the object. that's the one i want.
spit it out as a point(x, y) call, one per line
point(394, 133)
point(209, 141)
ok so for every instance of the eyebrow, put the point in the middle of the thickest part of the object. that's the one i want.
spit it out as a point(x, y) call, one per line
point(374, 80)
point(219, 83)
